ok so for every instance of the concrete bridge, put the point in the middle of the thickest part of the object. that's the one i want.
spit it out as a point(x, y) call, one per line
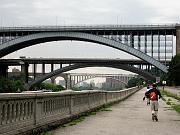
point(142, 68)
point(71, 79)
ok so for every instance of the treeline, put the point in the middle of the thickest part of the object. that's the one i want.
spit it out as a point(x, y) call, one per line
point(16, 84)
point(134, 82)
point(8, 85)
point(173, 76)
point(49, 86)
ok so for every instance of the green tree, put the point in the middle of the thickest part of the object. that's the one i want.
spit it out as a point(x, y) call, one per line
point(6, 85)
point(134, 82)
point(174, 71)
point(49, 86)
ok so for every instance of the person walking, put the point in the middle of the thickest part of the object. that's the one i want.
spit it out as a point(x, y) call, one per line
point(153, 95)
point(147, 97)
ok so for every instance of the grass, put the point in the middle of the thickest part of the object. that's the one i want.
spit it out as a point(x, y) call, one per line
point(169, 100)
point(106, 109)
point(46, 133)
point(75, 121)
point(168, 103)
point(164, 92)
point(176, 107)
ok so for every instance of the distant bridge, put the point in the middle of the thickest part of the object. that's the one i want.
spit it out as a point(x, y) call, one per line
point(72, 79)
point(66, 64)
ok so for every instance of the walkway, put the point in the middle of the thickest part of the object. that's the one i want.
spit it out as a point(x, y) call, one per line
point(129, 117)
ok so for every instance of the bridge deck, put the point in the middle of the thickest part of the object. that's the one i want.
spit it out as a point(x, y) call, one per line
point(129, 117)
point(12, 62)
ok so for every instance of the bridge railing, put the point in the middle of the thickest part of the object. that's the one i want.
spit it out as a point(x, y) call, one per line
point(25, 112)
point(86, 27)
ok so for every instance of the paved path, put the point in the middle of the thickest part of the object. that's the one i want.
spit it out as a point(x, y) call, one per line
point(129, 117)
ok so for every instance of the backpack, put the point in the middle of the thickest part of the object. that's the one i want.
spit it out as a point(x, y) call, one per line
point(153, 96)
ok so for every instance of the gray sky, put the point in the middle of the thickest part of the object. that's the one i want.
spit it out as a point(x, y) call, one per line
point(80, 12)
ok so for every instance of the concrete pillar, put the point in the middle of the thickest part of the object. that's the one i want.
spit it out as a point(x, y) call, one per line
point(145, 42)
point(25, 71)
point(67, 79)
point(139, 41)
point(73, 80)
point(3, 71)
point(77, 79)
point(178, 40)
point(159, 46)
point(132, 40)
point(69, 82)
point(53, 80)
point(43, 68)
point(152, 45)
point(61, 66)
point(52, 67)
point(34, 70)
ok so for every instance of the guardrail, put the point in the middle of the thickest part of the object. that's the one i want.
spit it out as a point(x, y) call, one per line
point(24, 112)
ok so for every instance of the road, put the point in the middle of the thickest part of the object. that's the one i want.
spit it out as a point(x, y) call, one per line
point(129, 117)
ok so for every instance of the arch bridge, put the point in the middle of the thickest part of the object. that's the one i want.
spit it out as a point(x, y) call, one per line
point(77, 78)
point(151, 43)
point(67, 64)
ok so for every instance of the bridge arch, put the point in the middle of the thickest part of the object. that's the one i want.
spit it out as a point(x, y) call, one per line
point(142, 73)
point(102, 77)
point(43, 37)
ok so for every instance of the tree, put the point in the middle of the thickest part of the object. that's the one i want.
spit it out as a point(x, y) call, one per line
point(134, 82)
point(6, 85)
point(174, 71)
point(49, 86)
point(92, 85)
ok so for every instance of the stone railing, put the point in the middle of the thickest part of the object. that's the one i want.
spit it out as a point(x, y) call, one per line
point(25, 112)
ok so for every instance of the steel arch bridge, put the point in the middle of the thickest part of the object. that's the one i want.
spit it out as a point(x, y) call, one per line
point(42, 37)
point(157, 39)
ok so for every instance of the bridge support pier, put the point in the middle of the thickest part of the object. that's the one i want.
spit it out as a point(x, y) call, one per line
point(24, 71)
point(43, 68)
point(178, 40)
point(34, 70)
point(3, 71)
point(67, 79)
point(53, 80)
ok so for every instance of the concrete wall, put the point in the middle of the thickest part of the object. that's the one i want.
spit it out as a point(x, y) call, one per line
point(23, 112)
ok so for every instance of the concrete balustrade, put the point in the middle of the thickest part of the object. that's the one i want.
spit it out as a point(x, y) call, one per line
point(25, 112)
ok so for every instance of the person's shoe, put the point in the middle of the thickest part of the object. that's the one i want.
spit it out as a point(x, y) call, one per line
point(156, 118)
point(148, 103)
point(153, 117)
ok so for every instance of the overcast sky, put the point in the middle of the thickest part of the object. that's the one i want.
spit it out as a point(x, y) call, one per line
point(80, 12)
